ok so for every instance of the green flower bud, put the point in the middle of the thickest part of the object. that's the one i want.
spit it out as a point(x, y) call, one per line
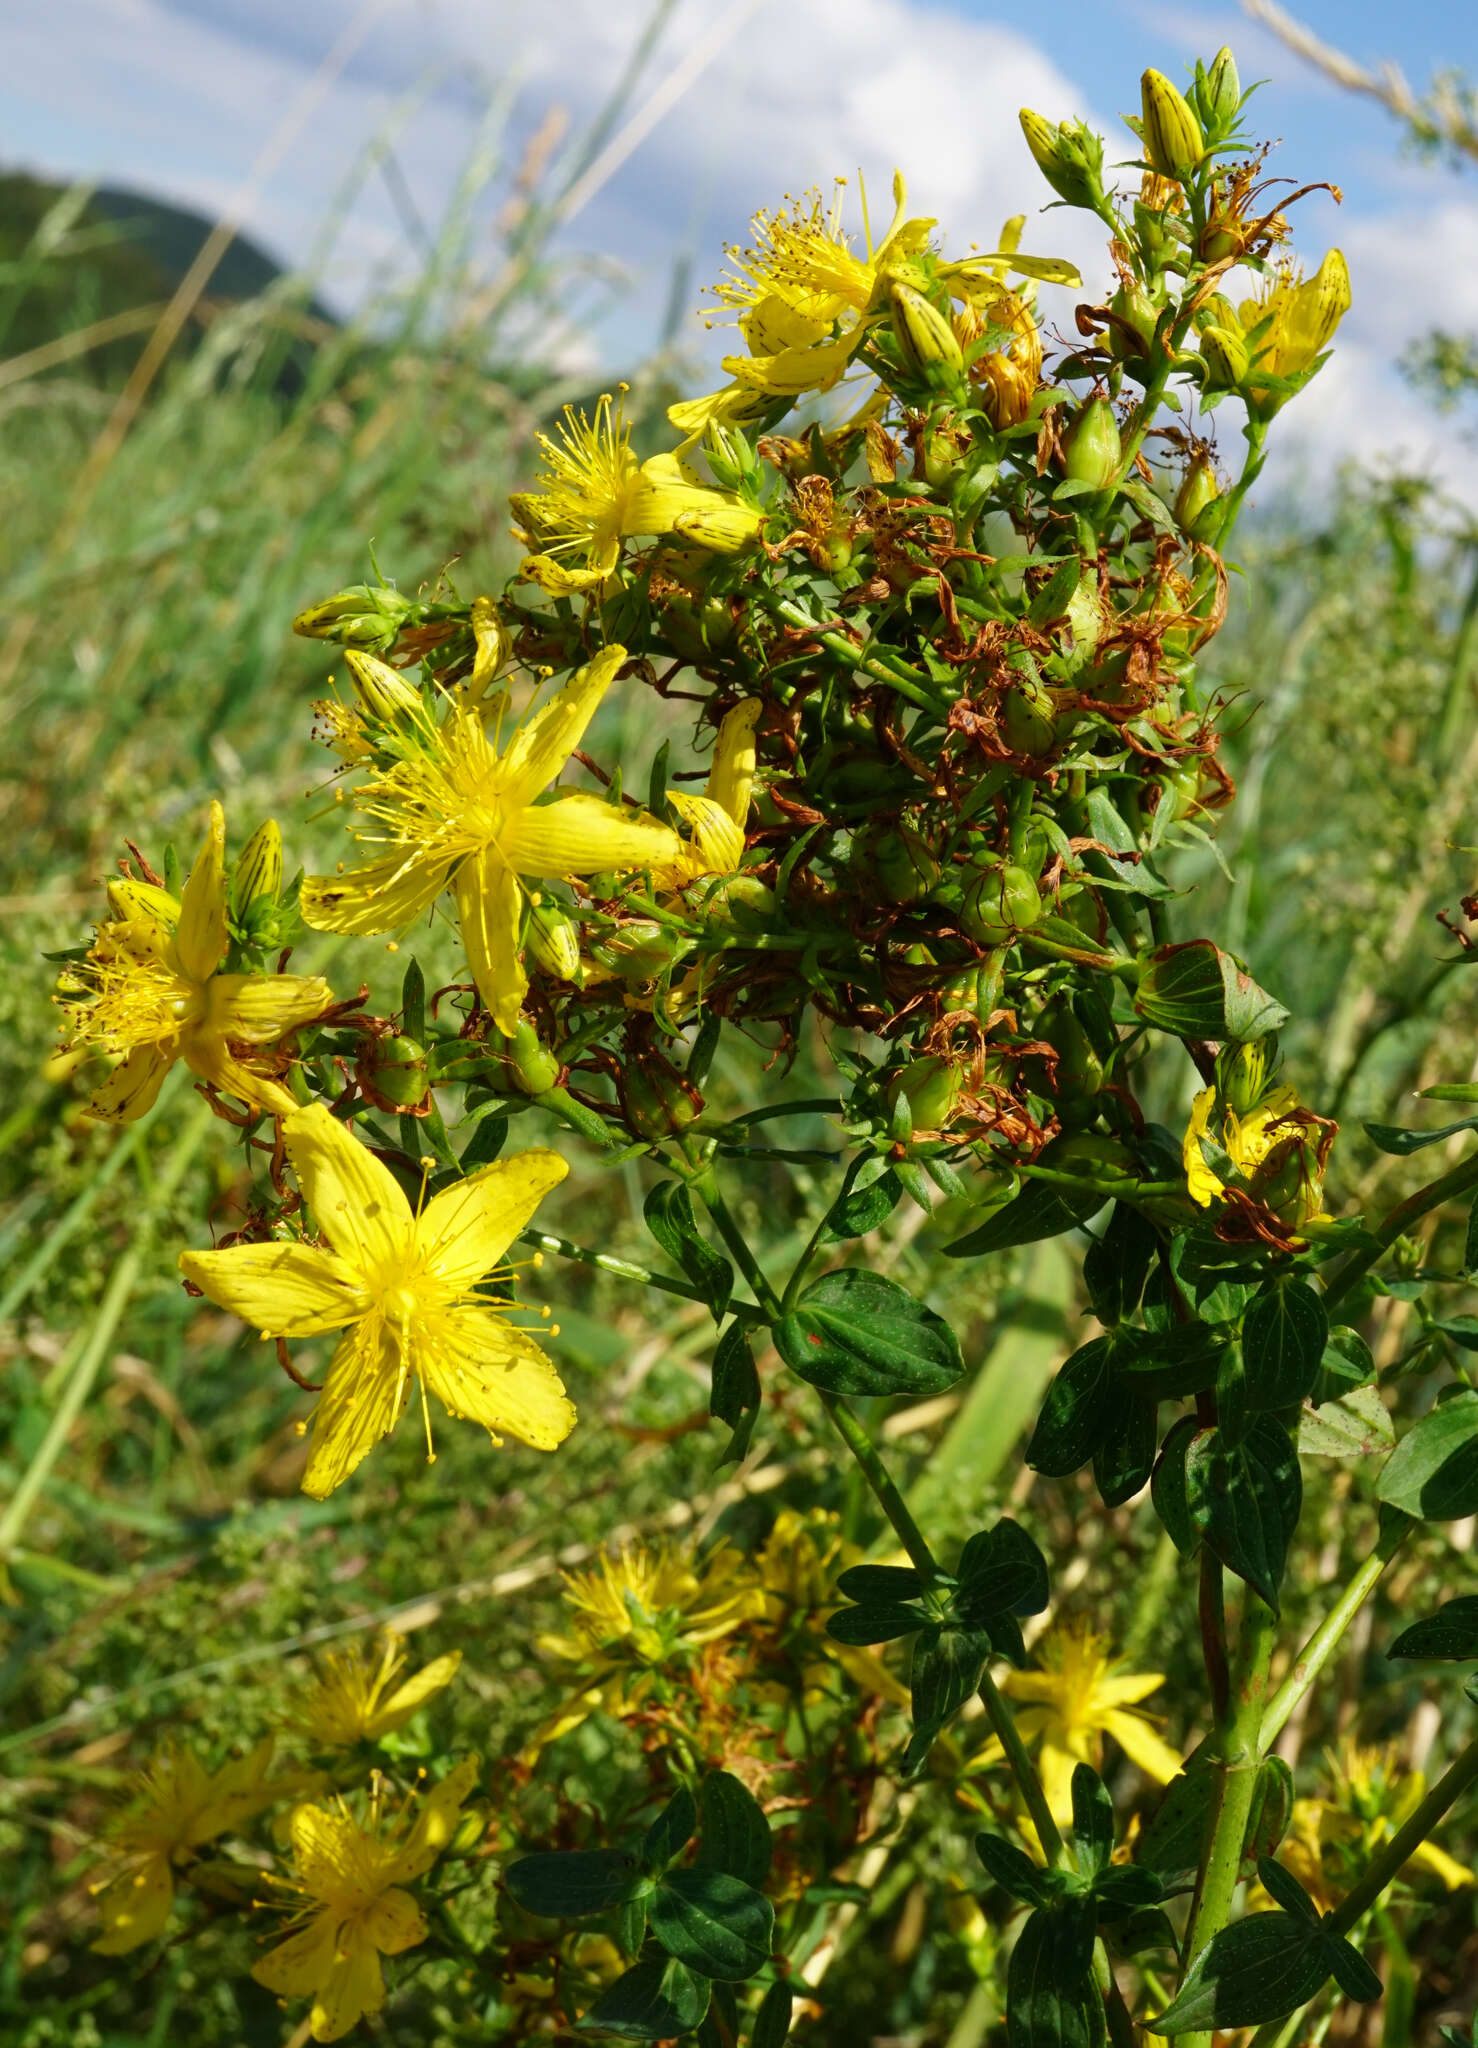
point(553, 940)
point(383, 691)
point(658, 1101)
point(640, 949)
point(1029, 718)
point(529, 1068)
point(1094, 449)
point(1224, 353)
point(927, 342)
point(366, 615)
point(1173, 143)
point(900, 860)
point(1221, 94)
point(392, 1073)
point(933, 1087)
point(739, 900)
point(999, 902)
point(258, 875)
point(1133, 327)
point(1197, 502)
point(1069, 156)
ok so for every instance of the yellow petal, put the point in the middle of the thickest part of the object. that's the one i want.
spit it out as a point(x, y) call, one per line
point(284, 1290)
point(558, 578)
point(132, 1088)
point(237, 1791)
point(491, 1373)
point(793, 370)
point(733, 405)
point(395, 1922)
point(542, 745)
point(436, 1822)
point(207, 1053)
point(360, 1403)
point(489, 901)
point(1139, 1741)
point(135, 1906)
point(325, 1847)
point(380, 897)
point(1452, 1873)
point(259, 1009)
point(354, 1986)
point(1204, 1186)
point(718, 843)
point(1128, 1689)
point(584, 835)
point(355, 1200)
point(1056, 1766)
point(731, 778)
point(201, 938)
point(297, 1967)
point(464, 1231)
point(423, 1685)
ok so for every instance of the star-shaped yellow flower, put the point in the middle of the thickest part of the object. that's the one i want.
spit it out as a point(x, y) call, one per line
point(149, 991)
point(357, 1699)
point(455, 811)
point(176, 1806)
point(355, 1908)
point(404, 1289)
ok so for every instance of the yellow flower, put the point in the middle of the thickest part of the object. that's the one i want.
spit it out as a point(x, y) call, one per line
point(176, 1806)
point(355, 1908)
point(593, 493)
point(404, 1289)
point(718, 817)
point(1246, 1140)
point(1304, 315)
point(353, 1700)
point(1330, 1841)
point(1076, 1699)
point(456, 811)
point(148, 993)
point(798, 1567)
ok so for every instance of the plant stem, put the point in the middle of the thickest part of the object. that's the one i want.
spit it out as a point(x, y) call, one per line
point(1233, 1784)
point(110, 1313)
point(1023, 1770)
point(1461, 1181)
point(626, 1269)
point(1322, 1644)
point(588, 1122)
point(1390, 1861)
point(710, 1195)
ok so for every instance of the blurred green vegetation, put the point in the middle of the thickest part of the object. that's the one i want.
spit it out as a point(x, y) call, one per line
point(169, 1573)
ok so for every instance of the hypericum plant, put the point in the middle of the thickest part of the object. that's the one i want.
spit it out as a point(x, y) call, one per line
point(938, 610)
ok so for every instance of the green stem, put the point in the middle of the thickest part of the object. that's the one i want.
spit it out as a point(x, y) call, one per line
point(110, 1313)
point(709, 1194)
point(1391, 1860)
point(1022, 1768)
point(1461, 1181)
point(1234, 1781)
point(1322, 1644)
point(588, 1122)
point(627, 1269)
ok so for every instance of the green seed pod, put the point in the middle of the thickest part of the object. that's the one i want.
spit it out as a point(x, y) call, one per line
point(904, 868)
point(658, 1101)
point(640, 949)
point(933, 1087)
point(999, 902)
point(1173, 143)
point(1029, 718)
point(976, 988)
point(392, 1073)
point(1079, 1068)
point(1094, 449)
point(529, 1067)
point(1197, 502)
point(554, 940)
point(927, 342)
point(739, 900)
point(1133, 327)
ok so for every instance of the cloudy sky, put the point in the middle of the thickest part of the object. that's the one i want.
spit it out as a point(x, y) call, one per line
point(180, 98)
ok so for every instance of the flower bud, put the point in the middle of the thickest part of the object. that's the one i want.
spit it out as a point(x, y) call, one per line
point(392, 1073)
point(1173, 143)
point(258, 875)
point(129, 899)
point(1243, 1072)
point(366, 615)
point(1132, 328)
point(933, 1087)
point(640, 949)
point(1069, 156)
point(383, 691)
point(659, 1102)
point(904, 867)
point(999, 902)
point(1029, 718)
point(976, 989)
point(1224, 353)
point(926, 341)
point(553, 940)
point(1197, 500)
point(491, 639)
point(1221, 95)
point(1094, 450)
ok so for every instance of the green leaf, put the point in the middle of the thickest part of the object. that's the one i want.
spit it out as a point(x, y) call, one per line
point(1263, 1968)
point(1051, 2001)
point(865, 1208)
point(879, 1621)
point(1356, 1425)
point(1116, 1266)
point(1001, 1571)
point(772, 2021)
point(669, 1213)
point(855, 1332)
point(735, 1835)
point(1459, 1330)
point(1168, 1486)
point(1283, 1337)
point(1244, 1499)
point(720, 2028)
point(1391, 1138)
point(1171, 1844)
point(1346, 1364)
point(1013, 1871)
point(1470, 1259)
point(1124, 1889)
point(869, 1583)
point(734, 1390)
point(655, 2001)
point(1075, 1413)
point(1284, 1889)
point(713, 1923)
point(560, 1885)
point(671, 1832)
point(1433, 1472)
point(1168, 1365)
point(946, 1668)
point(1093, 1820)
point(1351, 1972)
point(488, 1139)
point(1125, 1456)
point(413, 1001)
point(1197, 991)
point(1220, 1279)
point(1039, 1211)
point(1450, 1633)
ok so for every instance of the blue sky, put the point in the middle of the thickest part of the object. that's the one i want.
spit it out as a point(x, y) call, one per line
point(178, 96)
